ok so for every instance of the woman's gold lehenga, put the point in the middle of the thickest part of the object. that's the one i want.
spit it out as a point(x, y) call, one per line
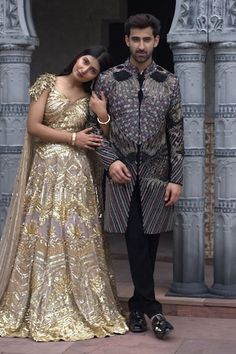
point(59, 286)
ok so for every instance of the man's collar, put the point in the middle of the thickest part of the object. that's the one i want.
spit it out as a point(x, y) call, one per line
point(133, 69)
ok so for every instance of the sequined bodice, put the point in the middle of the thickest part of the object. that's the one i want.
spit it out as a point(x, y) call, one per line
point(61, 113)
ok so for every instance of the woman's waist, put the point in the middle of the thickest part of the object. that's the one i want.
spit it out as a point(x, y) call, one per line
point(56, 148)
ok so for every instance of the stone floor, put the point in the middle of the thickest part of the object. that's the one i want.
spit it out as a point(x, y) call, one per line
point(192, 335)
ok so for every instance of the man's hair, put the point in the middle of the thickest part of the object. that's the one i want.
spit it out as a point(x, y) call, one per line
point(142, 21)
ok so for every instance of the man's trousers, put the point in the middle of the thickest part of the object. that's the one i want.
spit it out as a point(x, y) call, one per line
point(142, 249)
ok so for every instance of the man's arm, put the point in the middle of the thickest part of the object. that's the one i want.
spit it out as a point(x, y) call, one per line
point(175, 143)
point(175, 139)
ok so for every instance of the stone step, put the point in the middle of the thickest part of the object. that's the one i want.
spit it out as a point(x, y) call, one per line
point(172, 305)
point(192, 307)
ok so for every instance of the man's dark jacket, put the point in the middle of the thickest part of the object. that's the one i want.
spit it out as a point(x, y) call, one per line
point(146, 133)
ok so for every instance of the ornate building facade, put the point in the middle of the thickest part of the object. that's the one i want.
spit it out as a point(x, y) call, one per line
point(203, 41)
point(205, 30)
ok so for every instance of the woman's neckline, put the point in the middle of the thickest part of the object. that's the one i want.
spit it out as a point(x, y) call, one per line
point(66, 97)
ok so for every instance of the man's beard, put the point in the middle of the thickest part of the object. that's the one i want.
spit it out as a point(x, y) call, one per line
point(141, 57)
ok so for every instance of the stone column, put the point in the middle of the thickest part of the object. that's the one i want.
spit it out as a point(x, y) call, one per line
point(222, 35)
point(17, 41)
point(189, 230)
point(188, 38)
point(225, 172)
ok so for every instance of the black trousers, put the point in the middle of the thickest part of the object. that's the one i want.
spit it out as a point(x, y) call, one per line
point(142, 249)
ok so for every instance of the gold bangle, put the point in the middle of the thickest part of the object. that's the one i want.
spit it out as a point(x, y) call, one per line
point(106, 122)
point(73, 137)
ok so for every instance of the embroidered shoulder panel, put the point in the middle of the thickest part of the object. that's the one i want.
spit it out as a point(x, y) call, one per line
point(43, 82)
point(159, 76)
point(122, 75)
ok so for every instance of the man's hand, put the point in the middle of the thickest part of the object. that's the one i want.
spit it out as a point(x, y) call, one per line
point(172, 194)
point(119, 173)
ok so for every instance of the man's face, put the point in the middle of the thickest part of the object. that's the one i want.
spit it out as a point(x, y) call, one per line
point(141, 43)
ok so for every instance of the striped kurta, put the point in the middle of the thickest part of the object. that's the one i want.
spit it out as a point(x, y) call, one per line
point(147, 135)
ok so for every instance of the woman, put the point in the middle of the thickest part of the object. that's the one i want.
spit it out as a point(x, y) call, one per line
point(54, 277)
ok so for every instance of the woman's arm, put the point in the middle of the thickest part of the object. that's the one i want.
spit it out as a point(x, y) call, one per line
point(35, 126)
point(99, 107)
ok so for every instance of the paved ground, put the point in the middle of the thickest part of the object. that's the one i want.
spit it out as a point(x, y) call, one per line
point(192, 335)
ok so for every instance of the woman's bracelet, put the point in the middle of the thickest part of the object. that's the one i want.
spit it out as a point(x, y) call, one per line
point(106, 122)
point(73, 138)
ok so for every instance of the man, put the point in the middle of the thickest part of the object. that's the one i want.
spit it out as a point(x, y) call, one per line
point(143, 159)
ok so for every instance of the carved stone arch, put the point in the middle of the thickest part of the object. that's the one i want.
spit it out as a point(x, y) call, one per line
point(26, 20)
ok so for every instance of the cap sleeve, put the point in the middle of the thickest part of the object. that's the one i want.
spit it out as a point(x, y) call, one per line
point(42, 83)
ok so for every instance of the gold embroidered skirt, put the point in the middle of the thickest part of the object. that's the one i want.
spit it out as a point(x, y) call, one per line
point(60, 286)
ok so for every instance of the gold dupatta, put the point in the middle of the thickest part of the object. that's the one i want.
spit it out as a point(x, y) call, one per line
point(11, 231)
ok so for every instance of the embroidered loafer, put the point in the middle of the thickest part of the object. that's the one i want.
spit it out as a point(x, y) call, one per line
point(161, 327)
point(137, 322)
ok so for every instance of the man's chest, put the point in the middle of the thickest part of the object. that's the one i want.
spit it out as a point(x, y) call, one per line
point(130, 97)
point(139, 107)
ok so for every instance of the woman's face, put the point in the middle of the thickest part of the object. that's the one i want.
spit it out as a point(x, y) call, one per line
point(86, 68)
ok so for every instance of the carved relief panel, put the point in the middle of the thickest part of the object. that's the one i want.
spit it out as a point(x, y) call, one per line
point(225, 82)
point(226, 134)
point(194, 132)
point(231, 13)
point(9, 16)
point(191, 19)
point(191, 78)
point(203, 19)
point(12, 77)
point(8, 165)
point(225, 182)
point(15, 21)
point(193, 172)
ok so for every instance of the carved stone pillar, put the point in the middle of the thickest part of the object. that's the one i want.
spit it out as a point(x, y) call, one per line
point(225, 173)
point(187, 36)
point(222, 29)
point(17, 41)
point(189, 232)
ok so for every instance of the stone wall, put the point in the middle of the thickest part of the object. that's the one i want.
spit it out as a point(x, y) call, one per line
point(66, 27)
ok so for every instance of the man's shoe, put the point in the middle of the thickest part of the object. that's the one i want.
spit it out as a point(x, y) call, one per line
point(137, 322)
point(161, 327)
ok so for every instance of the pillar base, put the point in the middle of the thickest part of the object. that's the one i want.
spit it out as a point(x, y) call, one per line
point(188, 290)
point(222, 290)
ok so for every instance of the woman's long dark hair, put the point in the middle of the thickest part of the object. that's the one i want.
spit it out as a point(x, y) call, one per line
point(100, 53)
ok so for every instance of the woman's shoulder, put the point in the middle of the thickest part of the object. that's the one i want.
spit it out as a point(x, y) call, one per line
point(43, 82)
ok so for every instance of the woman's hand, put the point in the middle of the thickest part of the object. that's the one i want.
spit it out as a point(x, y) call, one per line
point(98, 105)
point(86, 140)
